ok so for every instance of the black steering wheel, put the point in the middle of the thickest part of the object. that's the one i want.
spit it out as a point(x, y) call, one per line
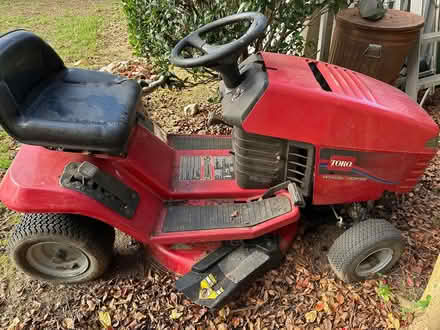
point(214, 54)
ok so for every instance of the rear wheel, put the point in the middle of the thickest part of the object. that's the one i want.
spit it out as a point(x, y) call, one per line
point(62, 248)
point(367, 249)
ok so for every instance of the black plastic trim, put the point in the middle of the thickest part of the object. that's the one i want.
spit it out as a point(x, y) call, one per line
point(89, 180)
point(225, 273)
point(307, 162)
point(319, 77)
point(238, 102)
point(191, 142)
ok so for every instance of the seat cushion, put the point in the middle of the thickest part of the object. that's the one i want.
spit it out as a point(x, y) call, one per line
point(81, 110)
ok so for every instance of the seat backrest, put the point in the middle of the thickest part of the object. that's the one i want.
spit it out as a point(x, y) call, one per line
point(25, 61)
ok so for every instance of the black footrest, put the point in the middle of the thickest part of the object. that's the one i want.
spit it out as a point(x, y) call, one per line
point(214, 286)
point(227, 215)
point(88, 179)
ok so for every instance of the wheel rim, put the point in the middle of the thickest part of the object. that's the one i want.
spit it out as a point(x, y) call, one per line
point(374, 262)
point(57, 259)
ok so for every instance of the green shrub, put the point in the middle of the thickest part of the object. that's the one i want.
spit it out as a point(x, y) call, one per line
point(155, 26)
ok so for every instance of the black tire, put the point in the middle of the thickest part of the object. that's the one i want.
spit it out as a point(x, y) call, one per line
point(374, 237)
point(88, 239)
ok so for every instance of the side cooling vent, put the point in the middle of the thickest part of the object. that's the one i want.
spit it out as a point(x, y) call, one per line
point(299, 165)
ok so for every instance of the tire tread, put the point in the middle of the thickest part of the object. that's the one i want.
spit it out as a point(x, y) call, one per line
point(97, 237)
point(358, 238)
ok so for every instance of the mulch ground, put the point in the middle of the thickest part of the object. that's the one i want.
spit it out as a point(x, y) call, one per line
point(302, 294)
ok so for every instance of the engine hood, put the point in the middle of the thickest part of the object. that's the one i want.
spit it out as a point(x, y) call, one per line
point(335, 106)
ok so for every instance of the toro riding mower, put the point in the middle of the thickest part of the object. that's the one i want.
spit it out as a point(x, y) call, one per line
point(216, 210)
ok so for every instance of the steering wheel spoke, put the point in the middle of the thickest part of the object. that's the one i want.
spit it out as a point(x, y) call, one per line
point(195, 41)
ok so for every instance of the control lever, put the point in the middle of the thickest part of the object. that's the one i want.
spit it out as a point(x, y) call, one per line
point(292, 188)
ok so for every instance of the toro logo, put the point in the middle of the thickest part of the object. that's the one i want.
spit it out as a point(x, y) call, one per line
point(341, 163)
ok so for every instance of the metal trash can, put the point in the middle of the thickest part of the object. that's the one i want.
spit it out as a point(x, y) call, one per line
point(377, 49)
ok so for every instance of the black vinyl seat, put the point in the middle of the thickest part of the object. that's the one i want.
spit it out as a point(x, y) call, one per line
point(44, 103)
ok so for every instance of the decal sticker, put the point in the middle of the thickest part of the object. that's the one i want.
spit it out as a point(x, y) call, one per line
point(195, 168)
point(224, 167)
point(341, 163)
point(206, 288)
point(190, 167)
point(340, 177)
point(207, 172)
point(354, 165)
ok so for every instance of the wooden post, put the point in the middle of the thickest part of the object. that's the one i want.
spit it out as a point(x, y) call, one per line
point(413, 69)
point(325, 35)
point(430, 320)
point(312, 36)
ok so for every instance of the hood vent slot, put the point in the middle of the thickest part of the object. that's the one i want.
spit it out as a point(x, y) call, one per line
point(319, 77)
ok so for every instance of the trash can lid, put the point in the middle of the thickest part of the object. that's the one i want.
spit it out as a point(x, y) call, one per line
point(394, 20)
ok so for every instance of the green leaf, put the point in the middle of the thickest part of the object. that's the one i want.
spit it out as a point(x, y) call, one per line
point(423, 304)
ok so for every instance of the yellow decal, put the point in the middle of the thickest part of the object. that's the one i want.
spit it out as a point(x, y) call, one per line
point(206, 288)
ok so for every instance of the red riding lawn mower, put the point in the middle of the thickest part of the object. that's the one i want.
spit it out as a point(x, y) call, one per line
point(218, 210)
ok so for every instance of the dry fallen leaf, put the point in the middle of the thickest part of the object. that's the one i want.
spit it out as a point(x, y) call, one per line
point(311, 316)
point(91, 305)
point(105, 319)
point(393, 322)
point(173, 297)
point(175, 314)
point(417, 269)
point(327, 324)
point(222, 326)
point(139, 316)
point(69, 323)
point(319, 306)
point(340, 298)
point(236, 321)
point(14, 324)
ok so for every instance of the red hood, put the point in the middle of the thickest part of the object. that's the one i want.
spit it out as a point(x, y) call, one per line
point(352, 111)
point(349, 84)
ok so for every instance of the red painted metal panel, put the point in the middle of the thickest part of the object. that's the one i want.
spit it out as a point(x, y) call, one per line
point(150, 161)
point(32, 185)
point(179, 258)
point(361, 113)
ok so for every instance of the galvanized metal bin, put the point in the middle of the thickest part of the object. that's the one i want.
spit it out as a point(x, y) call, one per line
point(377, 49)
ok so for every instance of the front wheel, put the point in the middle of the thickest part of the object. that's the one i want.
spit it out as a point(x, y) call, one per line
point(61, 248)
point(365, 250)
